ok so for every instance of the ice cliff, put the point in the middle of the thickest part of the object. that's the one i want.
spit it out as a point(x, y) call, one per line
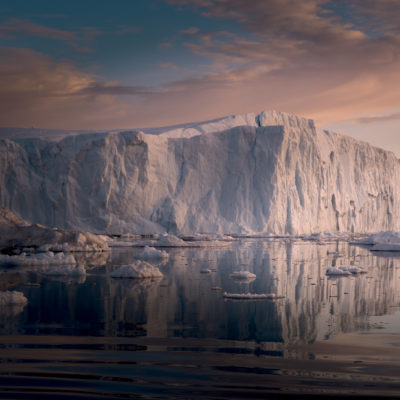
point(271, 172)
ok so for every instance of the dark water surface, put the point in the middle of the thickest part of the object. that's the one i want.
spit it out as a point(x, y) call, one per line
point(177, 337)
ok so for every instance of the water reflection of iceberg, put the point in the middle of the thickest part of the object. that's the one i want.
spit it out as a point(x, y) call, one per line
point(185, 304)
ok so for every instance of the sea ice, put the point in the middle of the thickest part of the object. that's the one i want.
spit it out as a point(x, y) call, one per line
point(17, 233)
point(345, 270)
point(138, 270)
point(243, 275)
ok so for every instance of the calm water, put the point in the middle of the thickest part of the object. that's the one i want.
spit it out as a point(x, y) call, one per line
point(177, 337)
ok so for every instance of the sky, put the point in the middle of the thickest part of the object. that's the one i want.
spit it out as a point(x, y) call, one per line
point(146, 63)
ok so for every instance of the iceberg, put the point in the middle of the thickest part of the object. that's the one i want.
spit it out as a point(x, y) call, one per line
point(269, 173)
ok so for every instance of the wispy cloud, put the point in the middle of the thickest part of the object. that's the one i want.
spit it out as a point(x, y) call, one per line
point(77, 40)
point(307, 56)
point(379, 118)
point(127, 29)
point(169, 65)
point(190, 31)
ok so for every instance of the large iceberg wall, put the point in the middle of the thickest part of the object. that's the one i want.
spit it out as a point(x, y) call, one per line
point(271, 172)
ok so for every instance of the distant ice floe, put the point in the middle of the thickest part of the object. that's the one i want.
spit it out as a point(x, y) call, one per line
point(170, 240)
point(328, 236)
point(382, 241)
point(243, 275)
point(251, 296)
point(138, 270)
point(12, 298)
point(345, 270)
point(48, 258)
point(151, 253)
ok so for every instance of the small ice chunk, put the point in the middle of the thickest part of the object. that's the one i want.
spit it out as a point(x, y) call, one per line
point(170, 241)
point(245, 275)
point(353, 269)
point(139, 270)
point(12, 297)
point(338, 271)
point(251, 296)
point(382, 241)
point(151, 253)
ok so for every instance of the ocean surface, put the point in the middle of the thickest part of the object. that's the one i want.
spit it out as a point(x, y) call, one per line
point(178, 337)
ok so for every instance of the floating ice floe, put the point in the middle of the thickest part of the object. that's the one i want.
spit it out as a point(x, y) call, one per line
point(12, 298)
point(151, 253)
point(251, 296)
point(17, 233)
point(382, 241)
point(65, 270)
point(333, 253)
point(47, 258)
point(139, 270)
point(243, 275)
point(328, 236)
point(345, 270)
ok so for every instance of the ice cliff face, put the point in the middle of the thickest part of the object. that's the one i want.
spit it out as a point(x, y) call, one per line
point(270, 172)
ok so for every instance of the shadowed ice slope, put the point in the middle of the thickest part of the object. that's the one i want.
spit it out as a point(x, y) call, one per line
point(270, 172)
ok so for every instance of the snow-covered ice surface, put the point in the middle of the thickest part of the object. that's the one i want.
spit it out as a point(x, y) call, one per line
point(138, 270)
point(268, 173)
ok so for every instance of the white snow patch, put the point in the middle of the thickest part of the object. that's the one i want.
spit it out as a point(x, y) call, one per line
point(139, 270)
point(12, 297)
